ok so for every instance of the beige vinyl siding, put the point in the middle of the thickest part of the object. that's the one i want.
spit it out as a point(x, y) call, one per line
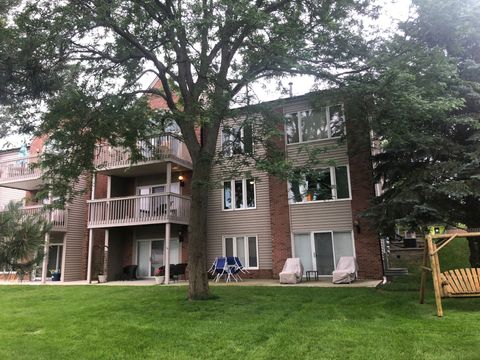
point(335, 151)
point(6, 194)
point(76, 227)
point(241, 222)
point(328, 215)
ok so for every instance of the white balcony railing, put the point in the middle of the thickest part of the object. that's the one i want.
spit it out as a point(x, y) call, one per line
point(139, 210)
point(58, 218)
point(19, 169)
point(153, 149)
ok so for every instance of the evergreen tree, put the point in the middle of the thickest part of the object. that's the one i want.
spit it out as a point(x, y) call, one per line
point(22, 238)
point(426, 115)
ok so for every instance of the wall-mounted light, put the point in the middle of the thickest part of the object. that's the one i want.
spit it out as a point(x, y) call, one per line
point(357, 226)
point(181, 179)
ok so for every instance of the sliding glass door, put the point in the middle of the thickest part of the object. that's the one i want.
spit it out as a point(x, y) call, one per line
point(321, 251)
point(150, 256)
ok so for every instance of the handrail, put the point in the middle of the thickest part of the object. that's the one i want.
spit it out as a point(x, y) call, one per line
point(154, 148)
point(138, 197)
point(139, 209)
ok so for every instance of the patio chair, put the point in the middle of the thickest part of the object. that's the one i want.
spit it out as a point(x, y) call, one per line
point(292, 271)
point(177, 270)
point(240, 265)
point(130, 272)
point(346, 270)
point(221, 268)
point(234, 268)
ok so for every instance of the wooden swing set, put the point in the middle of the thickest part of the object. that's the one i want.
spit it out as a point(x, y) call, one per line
point(452, 283)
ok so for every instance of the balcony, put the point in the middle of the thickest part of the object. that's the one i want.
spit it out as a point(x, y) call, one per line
point(139, 210)
point(58, 218)
point(155, 151)
point(18, 173)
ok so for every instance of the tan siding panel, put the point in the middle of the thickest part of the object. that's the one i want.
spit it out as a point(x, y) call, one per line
point(331, 215)
point(74, 261)
point(241, 222)
point(6, 194)
point(334, 151)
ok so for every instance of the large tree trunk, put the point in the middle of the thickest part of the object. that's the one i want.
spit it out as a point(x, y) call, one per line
point(198, 288)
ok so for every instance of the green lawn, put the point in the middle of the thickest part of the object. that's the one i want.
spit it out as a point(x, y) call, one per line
point(93, 322)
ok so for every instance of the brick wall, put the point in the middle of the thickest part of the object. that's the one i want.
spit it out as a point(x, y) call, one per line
point(367, 244)
point(279, 218)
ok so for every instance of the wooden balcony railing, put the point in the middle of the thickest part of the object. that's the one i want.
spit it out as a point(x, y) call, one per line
point(19, 169)
point(58, 217)
point(153, 149)
point(139, 210)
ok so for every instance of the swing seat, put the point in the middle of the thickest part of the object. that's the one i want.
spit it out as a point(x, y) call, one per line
point(460, 283)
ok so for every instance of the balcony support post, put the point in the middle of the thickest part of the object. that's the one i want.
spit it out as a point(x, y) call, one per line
point(46, 247)
point(90, 234)
point(167, 253)
point(167, 225)
point(45, 257)
point(63, 257)
point(90, 252)
point(105, 253)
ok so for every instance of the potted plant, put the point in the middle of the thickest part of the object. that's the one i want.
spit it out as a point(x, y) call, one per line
point(102, 278)
point(160, 275)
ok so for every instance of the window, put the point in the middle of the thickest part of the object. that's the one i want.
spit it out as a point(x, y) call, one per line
point(239, 194)
point(237, 140)
point(244, 247)
point(326, 184)
point(328, 122)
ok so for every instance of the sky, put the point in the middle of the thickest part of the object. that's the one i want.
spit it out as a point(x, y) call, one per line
point(392, 12)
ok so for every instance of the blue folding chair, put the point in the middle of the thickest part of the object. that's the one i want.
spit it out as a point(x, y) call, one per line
point(233, 269)
point(240, 265)
point(220, 268)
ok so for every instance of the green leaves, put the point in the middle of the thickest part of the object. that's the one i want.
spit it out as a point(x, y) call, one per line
point(22, 238)
point(426, 116)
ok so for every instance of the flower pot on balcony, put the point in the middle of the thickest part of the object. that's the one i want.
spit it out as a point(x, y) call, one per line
point(102, 279)
point(159, 280)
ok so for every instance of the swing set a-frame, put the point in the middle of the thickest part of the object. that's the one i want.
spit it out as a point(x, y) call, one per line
point(452, 283)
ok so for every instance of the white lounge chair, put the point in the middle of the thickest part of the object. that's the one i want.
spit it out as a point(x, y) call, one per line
point(346, 270)
point(292, 271)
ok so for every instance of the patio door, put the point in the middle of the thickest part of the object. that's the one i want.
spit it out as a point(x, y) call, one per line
point(150, 256)
point(324, 253)
point(55, 256)
point(321, 251)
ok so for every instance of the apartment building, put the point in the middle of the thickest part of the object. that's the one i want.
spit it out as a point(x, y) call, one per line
point(65, 242)
point(138, 214)
point(265, 221)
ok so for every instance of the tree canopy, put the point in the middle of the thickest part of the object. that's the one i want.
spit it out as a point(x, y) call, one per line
point(425, 105)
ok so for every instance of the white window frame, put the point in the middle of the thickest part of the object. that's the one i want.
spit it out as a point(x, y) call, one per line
point(244, 190)
point(333, 181)
point(312, 244)
point(309, 111)
point(246, 247)
point(232, 139)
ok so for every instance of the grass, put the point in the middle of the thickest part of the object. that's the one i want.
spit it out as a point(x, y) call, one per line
point(92, 322)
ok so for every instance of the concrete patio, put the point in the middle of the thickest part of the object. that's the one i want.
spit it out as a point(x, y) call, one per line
point(247, 282)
